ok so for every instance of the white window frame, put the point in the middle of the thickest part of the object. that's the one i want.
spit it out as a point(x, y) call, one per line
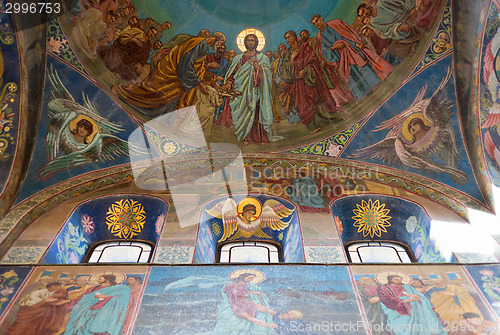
point(96, 254)
point(229, 251)
point(356, 250)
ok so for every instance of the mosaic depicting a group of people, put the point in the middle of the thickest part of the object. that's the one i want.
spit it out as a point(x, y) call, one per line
point(306, 81)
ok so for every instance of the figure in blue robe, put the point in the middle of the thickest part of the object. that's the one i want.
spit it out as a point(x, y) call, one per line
point(362, 79)
point(100, 309)
point(255, 84)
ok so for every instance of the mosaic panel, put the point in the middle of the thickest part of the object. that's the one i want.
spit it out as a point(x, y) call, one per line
point(282, 300)
point(76, 300)
point(442, 300)
point(379, 218)
point(116, 217)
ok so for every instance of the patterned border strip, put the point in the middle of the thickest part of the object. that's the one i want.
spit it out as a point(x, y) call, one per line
point(432, 55)
point(440, 193)
point(58, 46)
point(331, 146)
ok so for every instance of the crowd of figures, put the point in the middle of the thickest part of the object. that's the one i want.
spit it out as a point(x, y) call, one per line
point(307, 81)
point(97, 304)
point(400, 304)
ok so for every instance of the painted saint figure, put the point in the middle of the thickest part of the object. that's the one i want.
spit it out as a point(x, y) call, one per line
point(245, 309)
point(100, 309)
point(251, 112)
point(359, 67)
point(408, 311)
point(170, 85)
point(41, 311)
point(301, 70)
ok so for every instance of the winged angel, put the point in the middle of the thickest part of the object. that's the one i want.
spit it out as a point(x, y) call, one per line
point(247, 218)
point(490, 77)
point(420, 134)
point(79, 132)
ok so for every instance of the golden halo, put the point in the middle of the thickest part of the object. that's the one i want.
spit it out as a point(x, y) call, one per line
point(381, 277)
point(420, 116)
point(251, 201)
point(259, 276)
point(72, 126)
point(241, 37)
point(120, 277)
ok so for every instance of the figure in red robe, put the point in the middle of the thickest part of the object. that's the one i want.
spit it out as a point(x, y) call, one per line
point(357, 66)
point(311, 97)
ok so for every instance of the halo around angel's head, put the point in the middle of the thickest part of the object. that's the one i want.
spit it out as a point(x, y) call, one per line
point(95, 128)
point(259, 276)
point(253, 202)
point(119, 277)
point(406, 132)
point(382, 277)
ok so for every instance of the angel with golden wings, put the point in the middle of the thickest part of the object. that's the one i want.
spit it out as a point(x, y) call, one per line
point(249, 217)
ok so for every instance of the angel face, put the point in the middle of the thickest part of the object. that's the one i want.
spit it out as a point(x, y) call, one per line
point(84, 128)
point(417, 128)
point(248, 214)
point(83, 131)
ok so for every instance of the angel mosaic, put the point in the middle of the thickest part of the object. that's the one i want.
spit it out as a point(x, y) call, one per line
point(78, 135)
point(421, 137)
point(249, 217)
point(491, 73)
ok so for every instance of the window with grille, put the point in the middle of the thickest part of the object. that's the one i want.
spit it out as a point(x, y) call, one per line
point(249, 252)
point(378, 252)
point(121, 252)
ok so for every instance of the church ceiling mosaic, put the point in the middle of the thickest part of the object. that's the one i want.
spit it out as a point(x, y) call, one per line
point(355, 86)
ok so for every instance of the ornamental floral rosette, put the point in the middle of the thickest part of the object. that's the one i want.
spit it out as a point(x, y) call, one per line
point(87, 223)
point(125, 218)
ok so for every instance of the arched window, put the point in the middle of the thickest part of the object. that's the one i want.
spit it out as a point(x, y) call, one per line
point(378, 252)
point(249, 252)
point(120, 252)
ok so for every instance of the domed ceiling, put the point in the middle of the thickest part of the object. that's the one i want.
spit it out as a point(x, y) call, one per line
point(373, 95)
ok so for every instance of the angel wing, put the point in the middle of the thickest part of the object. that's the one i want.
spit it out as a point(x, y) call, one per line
point(438, 107)
point(272, 213)
point(411, 160)
point(102, 148)
point(491, 80)
point(227, 211)
point(395, 123)
point(217, 210)
point(57, 89)
point(88, 154)
point(113, 147)
point(62, 102)
point(490, 148)
point(383, 150)
point(58, 123)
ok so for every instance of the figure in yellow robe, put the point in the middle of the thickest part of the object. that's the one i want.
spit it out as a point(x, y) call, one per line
point(170, 86)
point(451, 301)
